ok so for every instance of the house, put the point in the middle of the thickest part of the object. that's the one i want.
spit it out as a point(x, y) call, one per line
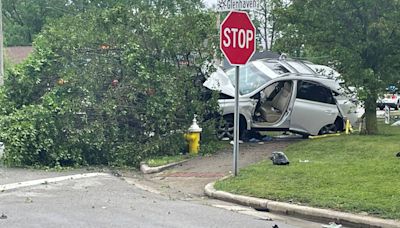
point(18, 53)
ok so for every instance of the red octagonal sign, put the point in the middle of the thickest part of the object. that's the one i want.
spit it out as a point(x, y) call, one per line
point(237, 38)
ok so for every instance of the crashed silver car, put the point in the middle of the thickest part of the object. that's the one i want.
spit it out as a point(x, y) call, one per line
point(299, 103)
point(346, 98)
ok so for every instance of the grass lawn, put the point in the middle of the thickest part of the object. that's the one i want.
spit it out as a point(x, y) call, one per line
point(159, 161)
point(358, 174)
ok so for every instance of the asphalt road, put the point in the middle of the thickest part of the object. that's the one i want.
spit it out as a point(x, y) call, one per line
point(109, 201)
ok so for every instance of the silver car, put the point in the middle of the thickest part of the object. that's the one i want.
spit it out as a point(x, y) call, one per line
point(300, 103)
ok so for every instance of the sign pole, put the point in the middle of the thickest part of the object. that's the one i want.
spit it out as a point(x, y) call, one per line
point(236, 125)
point(237, 42)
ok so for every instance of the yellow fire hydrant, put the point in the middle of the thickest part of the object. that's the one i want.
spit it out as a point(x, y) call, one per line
point(193, 137)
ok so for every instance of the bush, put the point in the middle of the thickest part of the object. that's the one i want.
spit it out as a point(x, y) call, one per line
point(115, 93)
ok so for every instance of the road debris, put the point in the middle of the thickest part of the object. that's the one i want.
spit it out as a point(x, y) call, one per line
point(304, 161)
point(266, 219)
point(3, 216)
point(279, 158)
point(332, 225)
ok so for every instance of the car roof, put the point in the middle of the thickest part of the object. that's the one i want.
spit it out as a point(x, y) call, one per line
point(325, 81)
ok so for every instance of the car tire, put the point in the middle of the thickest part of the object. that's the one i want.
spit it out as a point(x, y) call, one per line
point(225, 128)
point(305, 136)
point(397, 105)
point(328, 129)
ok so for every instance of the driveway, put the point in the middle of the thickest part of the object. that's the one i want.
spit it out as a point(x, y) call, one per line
point(189, 179)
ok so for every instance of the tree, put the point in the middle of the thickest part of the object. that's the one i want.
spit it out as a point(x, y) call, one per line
point(360, 37)
point(123, 88)
point(24, 19)
point(267, 20)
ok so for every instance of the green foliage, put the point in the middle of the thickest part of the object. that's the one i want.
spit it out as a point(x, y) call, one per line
point(164, 160)
point(24, 19)
point(268, 21)
point(27, 134)
point(120, 90)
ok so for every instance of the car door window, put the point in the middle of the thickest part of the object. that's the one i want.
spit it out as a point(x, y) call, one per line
point(314, 92)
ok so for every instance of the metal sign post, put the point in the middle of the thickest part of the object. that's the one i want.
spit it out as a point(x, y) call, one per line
point(237, 42)
point(236, 125)
point(387, 114)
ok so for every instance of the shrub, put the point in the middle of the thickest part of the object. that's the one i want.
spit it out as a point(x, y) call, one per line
point(114, 93)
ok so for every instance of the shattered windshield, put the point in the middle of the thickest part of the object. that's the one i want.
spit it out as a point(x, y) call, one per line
point(250, 78)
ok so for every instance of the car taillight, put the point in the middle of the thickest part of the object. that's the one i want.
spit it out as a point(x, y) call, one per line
point(394, 97)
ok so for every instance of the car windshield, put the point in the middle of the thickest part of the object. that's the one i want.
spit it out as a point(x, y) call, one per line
point(250, 78)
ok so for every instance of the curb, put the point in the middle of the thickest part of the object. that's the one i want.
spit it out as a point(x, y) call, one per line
point(144, 168)
point(301, 211)
point(30, 183)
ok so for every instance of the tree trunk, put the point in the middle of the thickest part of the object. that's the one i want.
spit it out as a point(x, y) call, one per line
point(371, 126)
point(266, 26)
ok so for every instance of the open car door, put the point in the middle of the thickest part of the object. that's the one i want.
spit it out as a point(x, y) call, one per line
point(314, 109)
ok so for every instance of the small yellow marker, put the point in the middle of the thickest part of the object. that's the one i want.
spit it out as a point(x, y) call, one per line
point(349, 129)
point(323, 136)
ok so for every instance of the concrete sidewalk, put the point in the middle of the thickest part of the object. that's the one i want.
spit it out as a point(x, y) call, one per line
point(191, 177)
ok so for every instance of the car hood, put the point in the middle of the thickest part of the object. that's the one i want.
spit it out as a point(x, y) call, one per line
point(219, 81)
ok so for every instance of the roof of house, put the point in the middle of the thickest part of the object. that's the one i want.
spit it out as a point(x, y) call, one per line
point(18, 53)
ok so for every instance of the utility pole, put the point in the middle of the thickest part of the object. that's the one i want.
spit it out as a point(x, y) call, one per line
point(1, 46)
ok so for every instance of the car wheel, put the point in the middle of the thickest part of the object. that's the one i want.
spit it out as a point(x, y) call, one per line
point(328, 129)
point(397, 105)
point(225, 128)
point(305, 136)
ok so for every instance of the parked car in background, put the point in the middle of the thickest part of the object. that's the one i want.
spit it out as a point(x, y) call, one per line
point(389, 99)
point(270, 101)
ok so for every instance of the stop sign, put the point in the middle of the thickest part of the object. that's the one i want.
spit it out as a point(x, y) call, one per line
point(237, 38)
